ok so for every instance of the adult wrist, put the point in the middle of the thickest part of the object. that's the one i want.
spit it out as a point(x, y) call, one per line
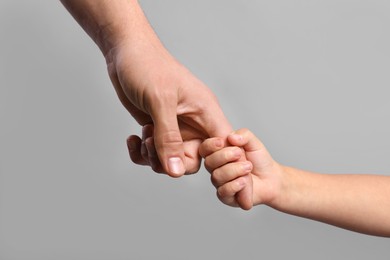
point(127, 27)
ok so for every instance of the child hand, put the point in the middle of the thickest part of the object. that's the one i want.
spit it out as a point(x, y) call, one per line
point(227, 172)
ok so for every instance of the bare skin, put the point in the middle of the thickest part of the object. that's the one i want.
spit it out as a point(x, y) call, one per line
point(357, 202)
point(154, 87)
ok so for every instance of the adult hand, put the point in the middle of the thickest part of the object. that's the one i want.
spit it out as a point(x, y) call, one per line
point(152, 85)
point(156, 89)
point(176, 109)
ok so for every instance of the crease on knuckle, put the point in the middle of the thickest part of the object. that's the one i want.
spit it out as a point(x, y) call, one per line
point(215, 178)
point(170, 137)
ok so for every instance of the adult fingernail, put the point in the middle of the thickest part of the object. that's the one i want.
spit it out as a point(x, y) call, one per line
point(176, 166)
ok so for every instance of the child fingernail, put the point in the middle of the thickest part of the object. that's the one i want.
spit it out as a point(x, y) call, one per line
point(237, 152)
point(236, 136)
point(218, 143)
point(241, 182)
point(247, 166)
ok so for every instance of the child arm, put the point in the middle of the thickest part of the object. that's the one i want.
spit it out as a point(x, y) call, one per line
point(355, 202)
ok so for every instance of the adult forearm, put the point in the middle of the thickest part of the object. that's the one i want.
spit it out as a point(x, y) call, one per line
point(356, 202)
point(110, 23)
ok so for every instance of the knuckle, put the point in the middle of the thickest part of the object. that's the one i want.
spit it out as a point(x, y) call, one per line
point(226, 156)
point(193, 167)
point(221, 193)
point(158, 98)
point(171, 138)
point(225, 191)
point(207, 165)
point(135, 159)
point(215, 178)
point(144, 151)
point(230, 188)
point(232, 153)
point(242, 168)
point(207, 147)
point(156, 167)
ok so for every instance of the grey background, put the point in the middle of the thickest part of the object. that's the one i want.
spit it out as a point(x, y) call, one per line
point(311, 78)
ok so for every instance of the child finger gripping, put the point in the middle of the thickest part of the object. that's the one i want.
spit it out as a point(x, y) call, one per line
point(357, 202)
point(227, 173)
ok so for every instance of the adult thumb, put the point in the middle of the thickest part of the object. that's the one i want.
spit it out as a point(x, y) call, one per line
point(168, 141)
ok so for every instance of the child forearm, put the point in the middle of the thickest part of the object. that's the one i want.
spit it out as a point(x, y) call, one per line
point(356, 202)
